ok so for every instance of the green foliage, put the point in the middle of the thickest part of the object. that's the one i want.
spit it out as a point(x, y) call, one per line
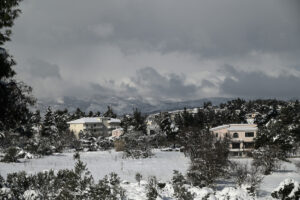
point(209, 156)
point(15, 96)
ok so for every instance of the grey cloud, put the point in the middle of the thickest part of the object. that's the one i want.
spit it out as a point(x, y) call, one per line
point(206, 27)
point(160, 86)
point(98, 40)
point(258, 84)
point(43, 69)
point(207, 83)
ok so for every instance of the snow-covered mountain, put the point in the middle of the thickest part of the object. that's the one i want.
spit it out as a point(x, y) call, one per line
point(121, 105)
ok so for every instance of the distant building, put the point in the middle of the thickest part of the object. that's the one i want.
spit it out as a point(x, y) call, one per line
point(95, 125)
point(241, 136)
point(111, 124)
point(117, 132)
point(91, 124)
point(250, 117)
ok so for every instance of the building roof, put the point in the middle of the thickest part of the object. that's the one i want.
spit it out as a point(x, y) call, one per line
point(236, 127)
point(85, 120)
point(114, 120)
point(242, 128)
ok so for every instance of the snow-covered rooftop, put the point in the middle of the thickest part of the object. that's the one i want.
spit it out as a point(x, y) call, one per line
point(242, 128)
point(114, 120)
point(86, 120)
point(236, 127)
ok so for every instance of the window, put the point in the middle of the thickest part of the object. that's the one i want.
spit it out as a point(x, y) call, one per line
point(249, 134)
point(235, 135)
point(235, 145)
point(248, 145)
point(216, 134)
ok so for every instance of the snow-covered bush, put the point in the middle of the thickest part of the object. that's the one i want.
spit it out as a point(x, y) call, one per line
point(119, 145)
point(209, 156)
point(230, 193)
point(5, 193)
point(136, 147)
point(268, 158)
point(297, 164)
point(18, 183)
point(138, 178)
point(289, 189)
point(239, 173)
point(151, 188)
point(247, 177)
point(31, 195)
point(179, 186)
point(105, 144)
point(11, 155)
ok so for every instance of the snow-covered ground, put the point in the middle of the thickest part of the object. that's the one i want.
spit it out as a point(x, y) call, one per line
point(161, 165)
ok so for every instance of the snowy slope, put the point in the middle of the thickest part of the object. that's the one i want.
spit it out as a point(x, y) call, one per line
point(161, 166)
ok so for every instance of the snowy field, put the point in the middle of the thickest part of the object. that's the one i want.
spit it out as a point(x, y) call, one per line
point(161, 165)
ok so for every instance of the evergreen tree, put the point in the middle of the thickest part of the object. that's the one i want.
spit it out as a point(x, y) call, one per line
point(78, 114)
point(91, 114)
point(109, 113)
point(61, 117)
point(209, 156)
point(48, 124)
point(15, 97)
point(138, 121)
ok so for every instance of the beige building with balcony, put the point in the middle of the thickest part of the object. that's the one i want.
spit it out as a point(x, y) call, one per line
point(91, 124)
point(241, 137)
point(95, 125)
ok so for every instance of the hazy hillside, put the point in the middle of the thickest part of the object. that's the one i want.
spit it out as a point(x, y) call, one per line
point(121, 105)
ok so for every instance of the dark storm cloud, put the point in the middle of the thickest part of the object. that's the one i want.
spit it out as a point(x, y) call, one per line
point(169, 86)
point(185, 42)
point(258, 84)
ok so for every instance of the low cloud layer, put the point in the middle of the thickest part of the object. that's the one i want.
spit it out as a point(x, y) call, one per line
point(79, 48)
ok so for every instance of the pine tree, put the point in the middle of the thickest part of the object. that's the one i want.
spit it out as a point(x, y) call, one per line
point(109, 113)
point(61, 117)
point(138, 121)
point(48, 124)
point(15, 97)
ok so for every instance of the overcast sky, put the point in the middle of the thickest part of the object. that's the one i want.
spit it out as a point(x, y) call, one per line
point(159, 49)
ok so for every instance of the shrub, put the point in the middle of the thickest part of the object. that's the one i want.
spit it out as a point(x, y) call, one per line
point(288, 189)
point(151, 188)
point(105, 144)
point(297, 164)
point(239, 173)
point(119, 145)
point(136, 147)
point(209, 156)
point(138, 177)
point(254, 179)
point(179, 186)
point(11, 155)
point(267, 158)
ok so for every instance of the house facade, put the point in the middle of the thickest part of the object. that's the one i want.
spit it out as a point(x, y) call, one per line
point(241, 137)
point(91, 124)
point(94, 125)
point(117, 132)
